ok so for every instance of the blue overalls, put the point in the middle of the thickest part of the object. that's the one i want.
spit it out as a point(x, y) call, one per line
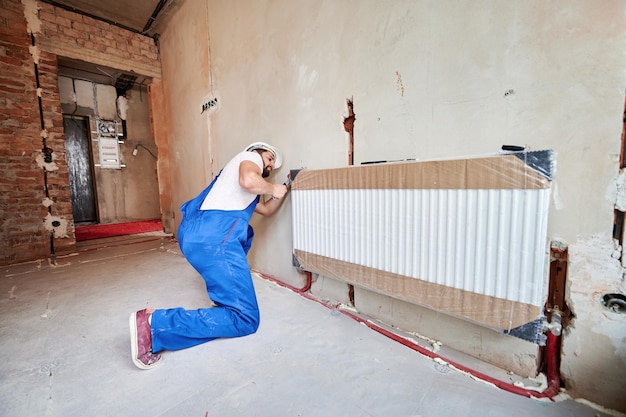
point(215, 242)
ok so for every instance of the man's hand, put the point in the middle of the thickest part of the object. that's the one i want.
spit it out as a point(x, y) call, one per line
point(280, 190)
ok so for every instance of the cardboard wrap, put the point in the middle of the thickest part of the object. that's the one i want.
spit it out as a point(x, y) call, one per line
point(466, 237)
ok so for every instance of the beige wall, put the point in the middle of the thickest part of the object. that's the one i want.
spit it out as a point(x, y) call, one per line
point(185, 83)
point(429, 79)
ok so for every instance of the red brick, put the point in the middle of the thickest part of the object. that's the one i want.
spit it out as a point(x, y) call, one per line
point(61, 21)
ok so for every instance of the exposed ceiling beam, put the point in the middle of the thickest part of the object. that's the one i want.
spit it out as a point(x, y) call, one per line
point(111, 22)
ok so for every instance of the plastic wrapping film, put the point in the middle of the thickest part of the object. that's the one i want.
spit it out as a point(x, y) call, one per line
point(467, 237)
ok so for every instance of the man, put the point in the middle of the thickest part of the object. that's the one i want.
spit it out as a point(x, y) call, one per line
point(215, 237)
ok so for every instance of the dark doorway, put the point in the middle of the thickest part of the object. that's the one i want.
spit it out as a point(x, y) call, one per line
point(80, 169)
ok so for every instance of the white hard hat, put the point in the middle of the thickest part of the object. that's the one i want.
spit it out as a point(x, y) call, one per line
point(278, 159)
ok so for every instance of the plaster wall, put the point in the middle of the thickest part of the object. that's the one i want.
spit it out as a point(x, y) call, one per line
point(429, 79)
point(185, 83)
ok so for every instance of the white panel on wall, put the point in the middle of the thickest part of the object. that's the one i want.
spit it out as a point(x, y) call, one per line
point(491, 242)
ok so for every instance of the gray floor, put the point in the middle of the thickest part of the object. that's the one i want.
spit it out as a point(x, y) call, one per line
point(65, 347)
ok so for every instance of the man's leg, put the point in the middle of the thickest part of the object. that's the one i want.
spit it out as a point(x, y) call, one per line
point(228, 281)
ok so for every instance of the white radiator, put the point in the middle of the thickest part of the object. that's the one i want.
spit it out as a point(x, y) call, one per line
point(466, 237)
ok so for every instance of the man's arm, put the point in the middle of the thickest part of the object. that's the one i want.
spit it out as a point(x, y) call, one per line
point(250, 179)
point(269, 207)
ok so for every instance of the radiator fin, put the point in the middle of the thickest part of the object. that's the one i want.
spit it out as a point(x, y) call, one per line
point(490, 242)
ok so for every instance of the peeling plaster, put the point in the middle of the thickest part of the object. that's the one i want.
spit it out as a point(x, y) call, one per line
point(57, 225)
point(594, 272)
point(616, 193)
point(593, 256)
point(31, 13)
point(48, 166)
point(47, 202)
point(34, 51)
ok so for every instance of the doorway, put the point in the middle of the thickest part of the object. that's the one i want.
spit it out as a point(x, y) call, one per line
point(80, 169)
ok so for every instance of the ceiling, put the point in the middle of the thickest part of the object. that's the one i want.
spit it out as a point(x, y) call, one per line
point(139, 16)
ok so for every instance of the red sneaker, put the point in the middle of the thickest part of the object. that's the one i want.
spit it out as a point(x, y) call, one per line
point(141, 341)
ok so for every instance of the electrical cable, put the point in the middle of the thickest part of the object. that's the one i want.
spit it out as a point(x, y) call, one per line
point(44, 148)
point(149, 151)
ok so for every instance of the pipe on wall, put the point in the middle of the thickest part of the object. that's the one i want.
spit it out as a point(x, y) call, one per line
point(551, 350)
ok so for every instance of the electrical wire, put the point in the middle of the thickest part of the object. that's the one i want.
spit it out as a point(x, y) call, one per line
point(147, 149)
point(45, 149)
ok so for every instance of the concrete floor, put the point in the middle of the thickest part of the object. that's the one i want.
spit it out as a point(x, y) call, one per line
point(64, 341)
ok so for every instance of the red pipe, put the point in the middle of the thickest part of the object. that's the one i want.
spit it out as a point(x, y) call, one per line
point(309, 281)
point(306, 288)
point(551, 351)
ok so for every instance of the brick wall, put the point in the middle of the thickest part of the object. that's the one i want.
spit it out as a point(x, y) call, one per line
point(35, 203)
point(22, 236)
point(81, 37)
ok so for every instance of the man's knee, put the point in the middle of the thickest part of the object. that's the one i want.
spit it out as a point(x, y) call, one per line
point(249, 322)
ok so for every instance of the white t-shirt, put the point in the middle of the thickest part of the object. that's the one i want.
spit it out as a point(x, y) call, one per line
point(226, 193)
